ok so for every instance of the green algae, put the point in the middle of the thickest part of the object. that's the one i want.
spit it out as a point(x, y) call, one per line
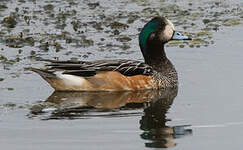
point(3, 7)
point(203, 33)
point(173, 43)
point(118, 25)
point(132, 18)
point(10, 89)
point(93, 5)
point(206, 21)
point(123, 38)
point(98, 26)
point(9, 21)
point(86, 42)
point(9, 105)
point(48, 7)
point(19, 42)
point(232, 22)
point(4, 60)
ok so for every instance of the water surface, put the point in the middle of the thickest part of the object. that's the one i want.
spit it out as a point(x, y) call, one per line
point(206, 112)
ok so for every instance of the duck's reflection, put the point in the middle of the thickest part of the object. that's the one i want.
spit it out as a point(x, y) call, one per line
point(153, 123)
point(72, 105)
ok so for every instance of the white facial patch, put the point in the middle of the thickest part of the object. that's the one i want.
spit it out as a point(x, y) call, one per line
point(170, 24)
point(168, 31)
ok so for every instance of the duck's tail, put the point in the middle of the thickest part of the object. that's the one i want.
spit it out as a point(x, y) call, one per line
point(50, 77)
point(60, 81)
point(43, 73)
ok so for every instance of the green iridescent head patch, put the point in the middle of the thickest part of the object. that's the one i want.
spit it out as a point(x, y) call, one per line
point(145, 33)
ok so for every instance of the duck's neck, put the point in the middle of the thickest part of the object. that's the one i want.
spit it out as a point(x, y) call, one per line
point(164, 71)
point(156, 58)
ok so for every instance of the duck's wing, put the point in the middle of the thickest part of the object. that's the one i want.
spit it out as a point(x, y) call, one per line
point(87, 69)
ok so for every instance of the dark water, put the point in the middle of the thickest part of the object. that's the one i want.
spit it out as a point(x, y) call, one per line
point(205, 112)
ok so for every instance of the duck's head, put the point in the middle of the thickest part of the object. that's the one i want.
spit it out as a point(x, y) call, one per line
point(156, 33)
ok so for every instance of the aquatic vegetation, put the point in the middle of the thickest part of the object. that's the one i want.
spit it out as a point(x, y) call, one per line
point(93, 5)
point(9, 21)
point(20, 41)
point(3, 6)
point(10, 89)
point(118, 25)
point(123, 38)
point(232, 22)
point(86, 42)
point(132, 18)
point(48, 7)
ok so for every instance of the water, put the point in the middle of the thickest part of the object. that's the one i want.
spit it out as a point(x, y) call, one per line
point(206, 112)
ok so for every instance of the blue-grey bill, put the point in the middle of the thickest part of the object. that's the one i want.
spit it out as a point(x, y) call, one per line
point(178, 36)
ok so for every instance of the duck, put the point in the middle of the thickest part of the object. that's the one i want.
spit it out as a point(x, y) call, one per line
point(155, 72)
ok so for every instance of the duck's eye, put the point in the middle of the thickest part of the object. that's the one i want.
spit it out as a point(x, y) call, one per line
point(160, 28)
point(178, 33)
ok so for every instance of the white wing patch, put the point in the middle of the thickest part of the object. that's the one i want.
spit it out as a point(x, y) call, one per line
point(70, 80)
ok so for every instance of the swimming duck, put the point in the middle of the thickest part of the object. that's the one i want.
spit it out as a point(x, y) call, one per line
point(157, 72)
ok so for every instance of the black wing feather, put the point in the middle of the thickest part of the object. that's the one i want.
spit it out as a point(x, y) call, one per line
point(87, 69)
